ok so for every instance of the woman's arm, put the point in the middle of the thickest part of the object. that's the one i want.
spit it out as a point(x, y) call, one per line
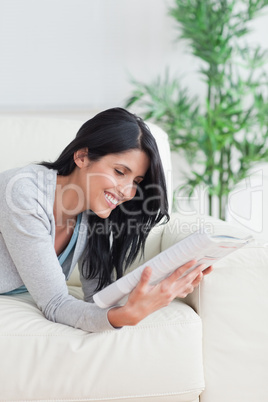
point(25, 225)
point(145, 299)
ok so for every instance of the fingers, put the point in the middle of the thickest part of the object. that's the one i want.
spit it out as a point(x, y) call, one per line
point(190, 280)
point(197, 280)
point(208, 270)
point(185, 283)
point(197, 272)
point(193, 282)
point(144, 279)
point(181, 270)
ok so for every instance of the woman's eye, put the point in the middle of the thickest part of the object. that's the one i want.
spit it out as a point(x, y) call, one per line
point(119, 172)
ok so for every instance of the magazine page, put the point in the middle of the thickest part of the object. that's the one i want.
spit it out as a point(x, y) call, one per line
point(199, 246)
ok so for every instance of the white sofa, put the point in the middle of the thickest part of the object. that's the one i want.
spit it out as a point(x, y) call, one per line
point(210, 347)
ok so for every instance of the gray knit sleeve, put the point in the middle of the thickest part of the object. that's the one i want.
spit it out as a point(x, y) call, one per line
point(26, 230)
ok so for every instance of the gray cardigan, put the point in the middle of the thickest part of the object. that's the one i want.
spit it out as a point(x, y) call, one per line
point(27, 254)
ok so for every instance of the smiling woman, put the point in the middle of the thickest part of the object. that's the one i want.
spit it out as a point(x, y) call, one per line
point(114, 156)
point(109, 177)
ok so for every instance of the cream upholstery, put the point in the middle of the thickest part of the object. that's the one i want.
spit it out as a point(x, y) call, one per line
point(158, 360)
point(232, 303)
point(215, 340)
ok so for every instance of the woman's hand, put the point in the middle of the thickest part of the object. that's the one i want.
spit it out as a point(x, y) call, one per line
point(145, 298)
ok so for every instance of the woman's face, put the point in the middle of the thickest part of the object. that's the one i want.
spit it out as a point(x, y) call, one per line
point(113, 180)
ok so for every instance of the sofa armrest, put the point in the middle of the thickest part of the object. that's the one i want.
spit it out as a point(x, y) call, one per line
point(234, 310)
point(233, 304)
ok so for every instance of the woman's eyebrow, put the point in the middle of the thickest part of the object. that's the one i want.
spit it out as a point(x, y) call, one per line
point(128, 168)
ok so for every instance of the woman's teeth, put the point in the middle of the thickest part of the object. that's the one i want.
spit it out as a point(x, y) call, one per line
point(111, 199)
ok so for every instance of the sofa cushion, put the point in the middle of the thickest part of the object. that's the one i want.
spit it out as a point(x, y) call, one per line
point(159, 359)
point(233, 304)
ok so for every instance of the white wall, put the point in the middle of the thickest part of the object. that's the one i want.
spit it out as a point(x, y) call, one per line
point(79, 54)
point(62, 56)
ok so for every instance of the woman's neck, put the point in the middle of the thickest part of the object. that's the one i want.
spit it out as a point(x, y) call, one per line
point(66, 204)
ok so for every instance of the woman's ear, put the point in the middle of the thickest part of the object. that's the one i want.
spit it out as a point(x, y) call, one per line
point(81, 157)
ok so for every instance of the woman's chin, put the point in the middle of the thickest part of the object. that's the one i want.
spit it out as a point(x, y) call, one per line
point(103, 214)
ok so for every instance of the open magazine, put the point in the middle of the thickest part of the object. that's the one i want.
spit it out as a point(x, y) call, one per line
point(200, 246)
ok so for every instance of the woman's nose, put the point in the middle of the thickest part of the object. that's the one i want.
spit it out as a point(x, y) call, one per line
point(126, 191)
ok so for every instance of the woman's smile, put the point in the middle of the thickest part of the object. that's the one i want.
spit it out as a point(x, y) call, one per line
point(111, 200)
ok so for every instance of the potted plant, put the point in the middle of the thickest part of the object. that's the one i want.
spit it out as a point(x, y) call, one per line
point(225, 133)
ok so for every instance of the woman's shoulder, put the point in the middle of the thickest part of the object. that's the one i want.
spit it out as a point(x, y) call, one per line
point(28, 181)
point(33, 173)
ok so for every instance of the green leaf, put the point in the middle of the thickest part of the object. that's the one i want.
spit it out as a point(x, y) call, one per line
point(224, 133)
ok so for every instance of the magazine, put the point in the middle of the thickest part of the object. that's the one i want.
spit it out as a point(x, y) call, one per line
point(206, 249)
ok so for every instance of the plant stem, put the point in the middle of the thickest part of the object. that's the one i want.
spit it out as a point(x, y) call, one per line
point(209, 96)
point(210, 204)
point(220, 196)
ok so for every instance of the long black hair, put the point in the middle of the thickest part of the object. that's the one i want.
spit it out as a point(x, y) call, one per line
point(114, 242)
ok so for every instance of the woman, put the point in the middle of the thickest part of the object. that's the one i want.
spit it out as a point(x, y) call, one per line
point(94, 205)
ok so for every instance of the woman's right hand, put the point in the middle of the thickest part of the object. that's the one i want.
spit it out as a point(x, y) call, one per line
point(146, 298)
